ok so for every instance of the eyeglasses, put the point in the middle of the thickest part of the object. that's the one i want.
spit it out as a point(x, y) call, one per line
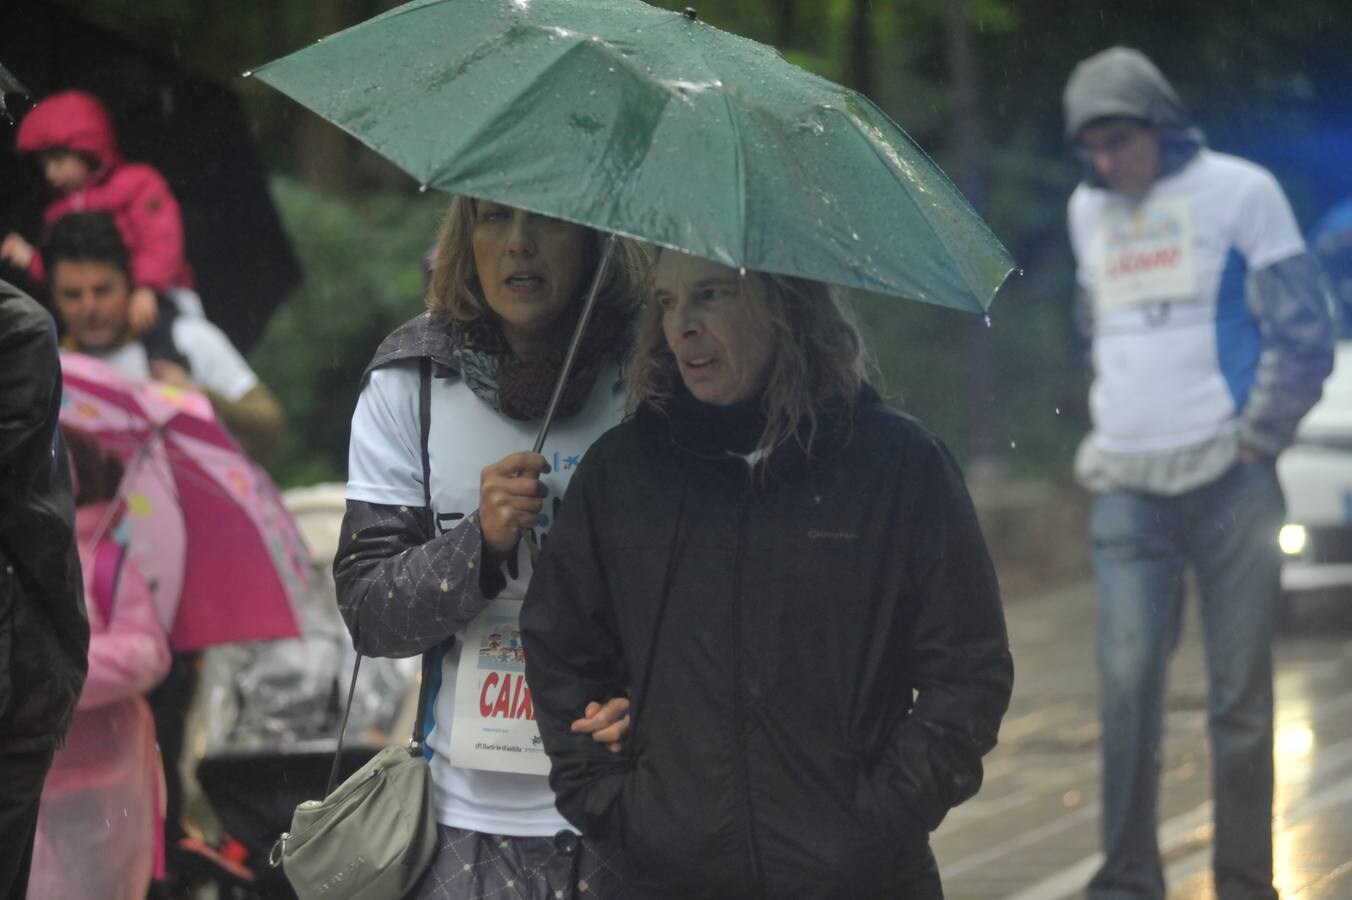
point(1112, 143)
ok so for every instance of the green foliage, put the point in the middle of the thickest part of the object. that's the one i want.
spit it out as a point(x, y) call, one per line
point(363, 278)
point(1267, 81)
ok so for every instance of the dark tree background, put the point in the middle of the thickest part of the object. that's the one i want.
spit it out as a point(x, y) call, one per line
point(976, 82)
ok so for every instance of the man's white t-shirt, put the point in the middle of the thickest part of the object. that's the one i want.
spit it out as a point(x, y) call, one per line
point(215, 363)
point(1174, 347)
point(385, 467)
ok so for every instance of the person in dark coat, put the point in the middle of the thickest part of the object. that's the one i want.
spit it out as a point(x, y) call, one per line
point(788, 580)
point(44, 635)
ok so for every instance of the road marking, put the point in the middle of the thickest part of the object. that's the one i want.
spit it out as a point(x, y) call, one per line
point(979, 809)
point(1324, 880)
point(1329, 797)
point(1085, 814)
point(1180, 829)
point(1072, 880)
point(1190, 729)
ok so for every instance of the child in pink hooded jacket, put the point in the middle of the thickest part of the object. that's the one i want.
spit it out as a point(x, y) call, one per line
point(99, 832)
point(72, 136)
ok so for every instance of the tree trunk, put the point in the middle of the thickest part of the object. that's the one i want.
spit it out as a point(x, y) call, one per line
point(786, 23)
point(861, 66)
point(321, 149)
point(968, 171)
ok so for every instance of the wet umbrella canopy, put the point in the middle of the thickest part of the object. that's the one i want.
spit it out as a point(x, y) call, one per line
point(652, 124)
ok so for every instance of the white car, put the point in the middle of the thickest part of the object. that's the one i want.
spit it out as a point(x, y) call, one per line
point(1316, 475)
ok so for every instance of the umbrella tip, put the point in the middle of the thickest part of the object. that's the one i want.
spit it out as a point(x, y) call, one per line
point(691, 13)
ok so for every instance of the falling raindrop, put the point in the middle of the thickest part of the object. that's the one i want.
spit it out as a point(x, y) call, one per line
point(988, 321)
point(1058, 410)
point(1013, 445)
point(422, 188)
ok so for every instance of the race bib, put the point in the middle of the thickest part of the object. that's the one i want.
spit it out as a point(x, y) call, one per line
point(494, 718)
point(1146, 255)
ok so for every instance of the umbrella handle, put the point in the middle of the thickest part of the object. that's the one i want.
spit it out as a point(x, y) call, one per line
point(582, 319)
point(532, 542)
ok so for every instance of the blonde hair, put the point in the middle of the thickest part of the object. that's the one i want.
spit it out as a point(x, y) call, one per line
point(817, 363)
point(455, 296)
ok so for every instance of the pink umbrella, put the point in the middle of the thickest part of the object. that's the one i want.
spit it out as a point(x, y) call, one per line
point(204, 524)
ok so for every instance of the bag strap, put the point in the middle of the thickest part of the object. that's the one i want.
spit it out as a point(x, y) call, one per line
point(425, 429)
point(416, 741)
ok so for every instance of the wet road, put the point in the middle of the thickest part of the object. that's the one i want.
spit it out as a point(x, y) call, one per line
point(1032, 832)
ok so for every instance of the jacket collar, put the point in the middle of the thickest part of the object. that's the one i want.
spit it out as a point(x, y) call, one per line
point(717, 436)
point(415, 339)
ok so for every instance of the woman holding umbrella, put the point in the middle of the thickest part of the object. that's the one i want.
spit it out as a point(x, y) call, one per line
point(440, 494)
point(788, 579)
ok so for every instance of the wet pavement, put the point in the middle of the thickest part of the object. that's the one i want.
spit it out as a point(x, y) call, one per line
point(1032, 832)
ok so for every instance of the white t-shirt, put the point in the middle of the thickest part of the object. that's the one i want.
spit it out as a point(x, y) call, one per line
point(216, 365)
point(385, 467)
point(1175, 347)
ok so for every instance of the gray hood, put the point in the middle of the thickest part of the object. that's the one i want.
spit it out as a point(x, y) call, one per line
point(1121, 81)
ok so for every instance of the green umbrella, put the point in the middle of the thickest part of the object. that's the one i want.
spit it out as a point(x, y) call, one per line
point(649, 123)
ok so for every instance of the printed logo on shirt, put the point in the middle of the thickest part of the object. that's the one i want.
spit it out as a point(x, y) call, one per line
point(502, 662)
point(832, 535)
point(562, 463)
point(1146, 255)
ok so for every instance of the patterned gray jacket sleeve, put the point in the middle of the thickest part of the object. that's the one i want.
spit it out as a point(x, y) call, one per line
point(1292, 308)
point(402, 590)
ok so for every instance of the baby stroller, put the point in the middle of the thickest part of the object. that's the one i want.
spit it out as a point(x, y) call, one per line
point(272, 711)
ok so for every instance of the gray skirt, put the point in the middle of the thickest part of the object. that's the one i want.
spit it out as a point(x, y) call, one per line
point(470, 865)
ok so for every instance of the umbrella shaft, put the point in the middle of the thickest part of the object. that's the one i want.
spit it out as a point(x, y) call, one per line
point(571, 355)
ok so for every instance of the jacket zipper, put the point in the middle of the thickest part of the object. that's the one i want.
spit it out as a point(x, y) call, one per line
point(753, 843)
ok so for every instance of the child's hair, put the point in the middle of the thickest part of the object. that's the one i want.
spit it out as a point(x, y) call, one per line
point(86, 237)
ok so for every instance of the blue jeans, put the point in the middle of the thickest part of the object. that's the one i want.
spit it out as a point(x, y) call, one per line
point(1142, 544)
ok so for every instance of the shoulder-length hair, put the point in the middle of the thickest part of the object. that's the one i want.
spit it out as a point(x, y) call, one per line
point(817, 366)
point(455, 296)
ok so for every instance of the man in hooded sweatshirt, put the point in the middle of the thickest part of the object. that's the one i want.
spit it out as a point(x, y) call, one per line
point(1210, 339)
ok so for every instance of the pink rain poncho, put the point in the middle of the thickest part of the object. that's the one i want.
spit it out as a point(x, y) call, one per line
point(99, 825)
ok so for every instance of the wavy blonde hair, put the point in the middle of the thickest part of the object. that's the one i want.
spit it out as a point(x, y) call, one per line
point(817, 365)
point(455, 296)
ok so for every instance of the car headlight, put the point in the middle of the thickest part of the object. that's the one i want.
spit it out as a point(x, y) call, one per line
point(1292, 539)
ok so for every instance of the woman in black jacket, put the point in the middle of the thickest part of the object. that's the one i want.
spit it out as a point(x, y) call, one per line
point(788, 579)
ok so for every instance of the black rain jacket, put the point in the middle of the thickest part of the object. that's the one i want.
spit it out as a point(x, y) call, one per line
point(817, 660)
point(44, 635)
